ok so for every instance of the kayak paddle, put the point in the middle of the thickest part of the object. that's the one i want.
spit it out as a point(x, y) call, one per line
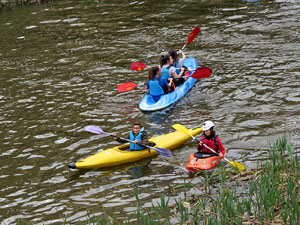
point(98, 130)
point(139, 66)
point(184, 130)
point(126, 87)
point(203, 72)
point(191, 37)
point(200, 72)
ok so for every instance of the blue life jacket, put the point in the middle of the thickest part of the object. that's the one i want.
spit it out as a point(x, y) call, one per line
point(165, 73)
point(176, 67)
point(136, 147)
point(155, 89)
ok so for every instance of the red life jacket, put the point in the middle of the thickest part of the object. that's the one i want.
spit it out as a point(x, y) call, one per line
point(213, 143)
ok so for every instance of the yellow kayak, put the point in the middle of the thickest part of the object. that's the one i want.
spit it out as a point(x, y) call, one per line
point(120, 154)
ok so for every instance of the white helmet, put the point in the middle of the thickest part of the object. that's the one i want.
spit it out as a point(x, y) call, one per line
point(207, 125)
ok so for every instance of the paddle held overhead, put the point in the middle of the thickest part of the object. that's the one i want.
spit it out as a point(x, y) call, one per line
point(139, 66)
point(201, 72)
point(191, 37)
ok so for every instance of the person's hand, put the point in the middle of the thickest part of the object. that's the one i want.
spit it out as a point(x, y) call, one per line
point(115, 136)
point(180, 51)
point(221, 155)
point(135, 141)
point(201, 143)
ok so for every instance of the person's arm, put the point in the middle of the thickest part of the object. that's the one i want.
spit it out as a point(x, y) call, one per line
point(170, 82)
point(221, 147)
point(175, 75)
point(200, 145)
point(145, 140)
point(182, 54)
point(118, 139)
point(164, 82)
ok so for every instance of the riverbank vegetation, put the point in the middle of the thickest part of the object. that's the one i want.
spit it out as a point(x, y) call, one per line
point(269, 194)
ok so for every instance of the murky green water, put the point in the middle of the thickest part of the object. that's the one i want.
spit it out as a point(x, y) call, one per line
point(60, 65)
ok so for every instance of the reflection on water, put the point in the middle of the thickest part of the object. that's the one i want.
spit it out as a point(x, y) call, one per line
point(60, 65)
point(138, 171)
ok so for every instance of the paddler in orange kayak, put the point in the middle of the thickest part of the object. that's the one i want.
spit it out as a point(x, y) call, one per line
point(210, 139)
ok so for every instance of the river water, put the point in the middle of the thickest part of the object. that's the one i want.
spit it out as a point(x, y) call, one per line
point(60, 64)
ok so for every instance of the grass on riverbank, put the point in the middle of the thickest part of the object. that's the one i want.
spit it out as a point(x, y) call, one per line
point(269, 194)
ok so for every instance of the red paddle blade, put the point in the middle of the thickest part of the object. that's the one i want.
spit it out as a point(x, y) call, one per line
point(192, 35)
point(202, 72)
point(139, 66)
point(187, 73)
point(126, 87)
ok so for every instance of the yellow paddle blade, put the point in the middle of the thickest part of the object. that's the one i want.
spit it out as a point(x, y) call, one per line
point(237, 165)
point(182, 129)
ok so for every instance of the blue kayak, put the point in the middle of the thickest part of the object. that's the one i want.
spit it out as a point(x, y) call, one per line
point(148, 104)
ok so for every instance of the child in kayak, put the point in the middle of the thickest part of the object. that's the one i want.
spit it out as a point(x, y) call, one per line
point(210, 139)
point(156, 84)
point(137, 135)
point(177, 62)
point(169, 71)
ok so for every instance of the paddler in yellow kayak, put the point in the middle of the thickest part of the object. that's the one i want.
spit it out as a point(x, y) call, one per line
point(137, 135)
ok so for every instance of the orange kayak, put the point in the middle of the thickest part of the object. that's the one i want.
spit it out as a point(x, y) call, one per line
point(202, 161)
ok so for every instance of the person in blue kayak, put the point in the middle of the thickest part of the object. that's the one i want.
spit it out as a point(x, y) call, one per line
point(177, 62)
point(156, 84)
point(138, 136)
point(210, 139)
point(169, 71)
point(178, 65)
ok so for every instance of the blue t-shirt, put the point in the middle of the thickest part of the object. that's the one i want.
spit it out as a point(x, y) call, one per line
point(162, 82)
